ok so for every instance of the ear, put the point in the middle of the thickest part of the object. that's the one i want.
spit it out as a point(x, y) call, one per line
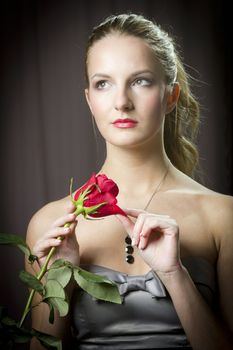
point(88, 98)
point(172, 98)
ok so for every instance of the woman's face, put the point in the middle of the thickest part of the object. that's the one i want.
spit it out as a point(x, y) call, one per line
point(127, 93)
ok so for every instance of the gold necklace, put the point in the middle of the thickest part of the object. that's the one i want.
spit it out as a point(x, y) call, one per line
point(129, 249)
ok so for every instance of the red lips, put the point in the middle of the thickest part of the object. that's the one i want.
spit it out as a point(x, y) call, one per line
point(124, 123)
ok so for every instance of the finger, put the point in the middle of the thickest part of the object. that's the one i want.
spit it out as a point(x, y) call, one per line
point(143, 243)
point(61, 231)
point(138, 227)
point(160, 223)
point(56, 232)
point(70, 208)
point(54, 238)
point(72, 230)
point(136, 212)
point(64, 219)
point(146, 234)
point(133, 212)
point(157, 226)
point(127, 223)
point(152, 224)
point(42, 247)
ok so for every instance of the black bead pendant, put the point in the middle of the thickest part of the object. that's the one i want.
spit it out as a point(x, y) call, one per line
point(129, 259)
point(129, 250)
point(128, 240)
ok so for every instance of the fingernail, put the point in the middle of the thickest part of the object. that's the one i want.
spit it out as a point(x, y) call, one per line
point(140, 246)
point(133, 242)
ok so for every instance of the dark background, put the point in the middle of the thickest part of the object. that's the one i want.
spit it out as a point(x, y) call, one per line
point(46, 130)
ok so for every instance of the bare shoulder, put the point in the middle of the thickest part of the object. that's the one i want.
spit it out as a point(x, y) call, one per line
point(44, 218)
point(216, 208)
point(218, 212)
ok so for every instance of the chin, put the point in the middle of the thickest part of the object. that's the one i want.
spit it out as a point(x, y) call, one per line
point(127, 144)
point(129, 138)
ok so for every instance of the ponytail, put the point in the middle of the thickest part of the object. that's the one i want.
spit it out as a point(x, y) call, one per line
point(181, 128)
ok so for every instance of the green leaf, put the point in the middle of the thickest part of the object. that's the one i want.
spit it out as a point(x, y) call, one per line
point(55, 298)
point(61, 275)
point(8, 321)
point(14, 240)
point(60, 304)
point(48, 341)
point(58, 263)
point(11, 332)
point(54, 289)
point(31, 281)
point(22, 338)
point(97, 286)
point(51, 312)
point(92, 277)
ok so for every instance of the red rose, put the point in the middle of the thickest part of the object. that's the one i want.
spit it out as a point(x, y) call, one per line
point(97, 197)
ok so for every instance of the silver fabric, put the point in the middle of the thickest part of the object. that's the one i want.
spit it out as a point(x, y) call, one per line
point(148, 282)
point(145, 320)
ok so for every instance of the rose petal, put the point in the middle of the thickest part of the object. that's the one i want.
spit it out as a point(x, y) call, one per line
point(91, 181)
point(106, 210)
point(107, 185)
point(101, 190)
point(100, 198)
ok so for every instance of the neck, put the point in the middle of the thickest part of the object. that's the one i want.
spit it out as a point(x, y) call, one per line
point(136, 171)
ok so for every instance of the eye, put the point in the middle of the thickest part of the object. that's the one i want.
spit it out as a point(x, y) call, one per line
point(142, 82)
point(102, 84)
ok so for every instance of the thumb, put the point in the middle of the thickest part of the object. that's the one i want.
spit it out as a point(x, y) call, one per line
point(133, 212)
point(70, 208)
point(127, 223)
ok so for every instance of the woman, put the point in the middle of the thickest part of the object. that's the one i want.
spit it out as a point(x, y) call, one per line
point(176, 274)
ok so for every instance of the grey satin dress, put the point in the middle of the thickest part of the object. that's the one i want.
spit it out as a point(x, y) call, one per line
point(145, 320)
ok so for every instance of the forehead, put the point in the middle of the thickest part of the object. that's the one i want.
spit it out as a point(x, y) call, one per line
point(121, 52)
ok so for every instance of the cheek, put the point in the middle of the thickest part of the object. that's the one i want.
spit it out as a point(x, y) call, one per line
point(153, 106)
point(99, 109)
point(98, 105)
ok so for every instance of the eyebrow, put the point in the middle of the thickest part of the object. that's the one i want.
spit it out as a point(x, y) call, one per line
point(103, 75)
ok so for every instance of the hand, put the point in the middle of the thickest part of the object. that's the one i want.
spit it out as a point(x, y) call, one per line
point(157, 238)
point(67, 248)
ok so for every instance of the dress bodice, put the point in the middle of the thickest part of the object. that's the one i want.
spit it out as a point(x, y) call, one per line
point(146, 319)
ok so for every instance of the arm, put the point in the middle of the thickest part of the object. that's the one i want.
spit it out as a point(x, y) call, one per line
point(195, 315)
point(41, 236)
point(203, 329)
point(161, 252)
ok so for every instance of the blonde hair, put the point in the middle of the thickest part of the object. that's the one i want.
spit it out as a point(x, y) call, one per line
point(181, 125)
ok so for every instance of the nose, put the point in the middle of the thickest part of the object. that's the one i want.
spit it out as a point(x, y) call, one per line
point(123, 102)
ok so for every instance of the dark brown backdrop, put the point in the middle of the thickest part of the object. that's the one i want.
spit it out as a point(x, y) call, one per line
point(46, 130)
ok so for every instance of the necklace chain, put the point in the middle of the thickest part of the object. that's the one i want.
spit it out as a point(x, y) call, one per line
point(129, 248)
point(157, 188)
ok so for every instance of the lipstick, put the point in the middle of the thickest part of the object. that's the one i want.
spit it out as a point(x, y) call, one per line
point(125, 123)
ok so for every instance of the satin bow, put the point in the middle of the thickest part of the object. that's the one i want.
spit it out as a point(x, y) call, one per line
point(149, 283)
